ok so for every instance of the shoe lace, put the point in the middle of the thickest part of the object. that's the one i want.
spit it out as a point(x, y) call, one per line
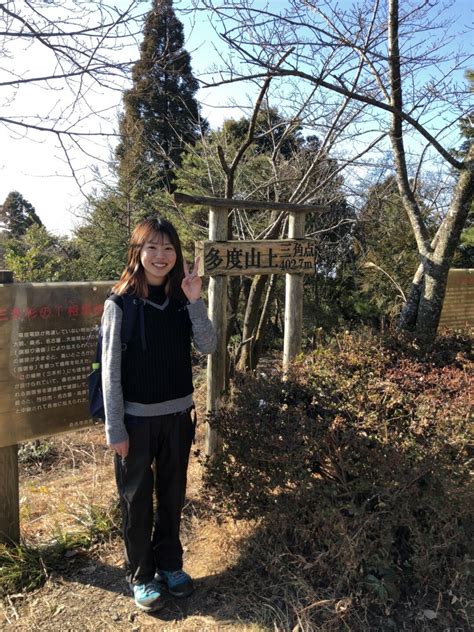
point(175, 576)
point(149, 589)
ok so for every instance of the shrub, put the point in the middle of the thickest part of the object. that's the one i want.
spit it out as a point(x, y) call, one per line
point(354, 467)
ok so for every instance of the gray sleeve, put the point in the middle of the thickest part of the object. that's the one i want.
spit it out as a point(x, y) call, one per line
point(115, 430)
point(204, 335)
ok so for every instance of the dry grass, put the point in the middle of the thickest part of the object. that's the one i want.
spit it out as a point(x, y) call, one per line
point(74, 485)
point(73, 555)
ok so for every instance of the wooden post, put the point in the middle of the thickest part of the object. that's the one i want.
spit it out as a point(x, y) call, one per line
point(293, 298)
point(216, 365)
point(9, 492)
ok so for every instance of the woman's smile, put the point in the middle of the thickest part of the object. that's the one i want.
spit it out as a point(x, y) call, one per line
point(158, 258)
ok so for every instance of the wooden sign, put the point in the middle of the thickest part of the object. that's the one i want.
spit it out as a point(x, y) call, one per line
point(47, 342)
point(290, 256)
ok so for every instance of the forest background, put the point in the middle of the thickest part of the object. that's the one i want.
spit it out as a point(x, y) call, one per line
point(320, 126)
point(365, 107)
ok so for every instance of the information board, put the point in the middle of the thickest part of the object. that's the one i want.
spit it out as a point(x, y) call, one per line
point(48, 335)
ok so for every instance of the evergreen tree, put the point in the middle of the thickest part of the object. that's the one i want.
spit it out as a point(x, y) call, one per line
point(161, 114)
point(17, 214)
point(102, 239)
point(467, 128)
point(387, 250)
point(39, 256)
point(271, 133)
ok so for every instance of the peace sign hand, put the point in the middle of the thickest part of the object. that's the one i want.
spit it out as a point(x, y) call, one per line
point(192, 283)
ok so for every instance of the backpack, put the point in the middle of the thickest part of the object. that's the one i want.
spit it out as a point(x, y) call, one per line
point(94, 379)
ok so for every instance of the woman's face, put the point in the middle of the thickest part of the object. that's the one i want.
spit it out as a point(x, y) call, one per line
point(158, 258)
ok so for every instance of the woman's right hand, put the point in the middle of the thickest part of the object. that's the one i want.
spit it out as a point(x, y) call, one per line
point(121, 448)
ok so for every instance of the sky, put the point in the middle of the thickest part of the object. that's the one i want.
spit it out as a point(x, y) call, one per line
point(34, 163)
point(36, 166)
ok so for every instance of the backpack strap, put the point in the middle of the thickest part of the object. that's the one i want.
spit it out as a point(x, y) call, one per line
point(132, 308)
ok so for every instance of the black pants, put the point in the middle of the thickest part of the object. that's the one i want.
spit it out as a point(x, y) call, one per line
point(152, 538)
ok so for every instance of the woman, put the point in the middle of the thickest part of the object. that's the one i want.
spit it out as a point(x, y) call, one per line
point(148, 399)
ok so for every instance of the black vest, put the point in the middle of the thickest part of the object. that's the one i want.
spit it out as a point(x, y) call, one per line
point(163, 371)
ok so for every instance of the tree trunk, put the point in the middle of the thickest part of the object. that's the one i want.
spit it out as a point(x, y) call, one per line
point(251, 319)
point(409, 313)
point(431, 297)
point(264, 315)
point(422, 310)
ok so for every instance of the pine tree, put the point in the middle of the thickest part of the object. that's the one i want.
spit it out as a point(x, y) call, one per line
point(17, 214)
point(161, 114)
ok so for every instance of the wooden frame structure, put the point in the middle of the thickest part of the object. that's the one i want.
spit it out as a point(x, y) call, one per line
point(218, 232)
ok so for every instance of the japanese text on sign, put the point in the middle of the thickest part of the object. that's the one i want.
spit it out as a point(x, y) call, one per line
point(48, 334)
point(48, 312)
point(257, 257)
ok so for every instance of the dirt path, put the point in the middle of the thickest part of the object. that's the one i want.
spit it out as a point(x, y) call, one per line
point(88, 592)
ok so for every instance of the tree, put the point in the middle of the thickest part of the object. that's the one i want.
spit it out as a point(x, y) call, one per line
point(271, 131)
point(161, 113)
point(103, 236)
point(391, 72)
point(38, 256)
point(263, 157)
point(387, 249)
point(464, 256)
point(202, 173)
point(17, 214)
point(58, 59)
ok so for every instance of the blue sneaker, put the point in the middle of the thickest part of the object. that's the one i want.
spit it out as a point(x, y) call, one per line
point(147, 596)
point(178, 583)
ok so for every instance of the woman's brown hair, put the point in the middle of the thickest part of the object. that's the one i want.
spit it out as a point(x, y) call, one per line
point(133, 279)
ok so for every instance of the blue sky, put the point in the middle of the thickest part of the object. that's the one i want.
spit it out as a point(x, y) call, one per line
point(35, 166)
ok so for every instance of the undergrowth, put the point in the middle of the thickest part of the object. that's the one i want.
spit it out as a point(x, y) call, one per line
point(355, 469)
point(24, 567)
point(37, 455)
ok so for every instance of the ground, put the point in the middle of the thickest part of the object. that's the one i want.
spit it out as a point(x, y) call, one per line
point(88, 590)
point(313, 562)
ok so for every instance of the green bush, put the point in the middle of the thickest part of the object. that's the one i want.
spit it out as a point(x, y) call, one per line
point(354, 467)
